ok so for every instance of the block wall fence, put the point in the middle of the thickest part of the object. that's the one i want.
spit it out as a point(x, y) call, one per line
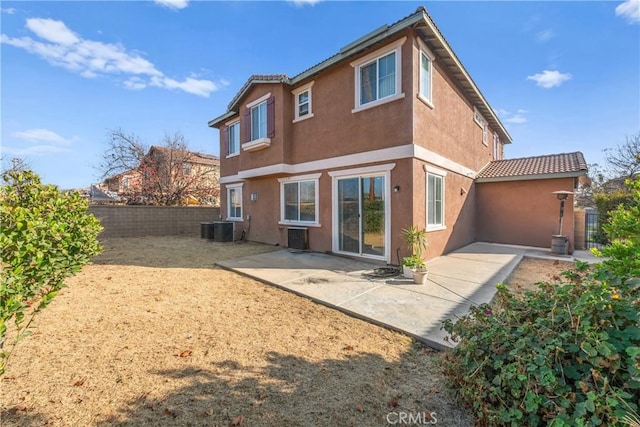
point(136, 221)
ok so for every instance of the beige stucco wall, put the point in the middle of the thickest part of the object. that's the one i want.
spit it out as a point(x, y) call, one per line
point(523, 212)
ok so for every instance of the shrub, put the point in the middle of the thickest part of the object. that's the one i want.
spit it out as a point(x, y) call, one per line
point(607, 203)
point(46, 236)
point(566, 354)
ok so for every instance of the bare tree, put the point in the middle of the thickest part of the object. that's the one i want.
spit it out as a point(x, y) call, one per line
point(15, 164)
point(167, 174)
point(623, 161)
point(124, 153)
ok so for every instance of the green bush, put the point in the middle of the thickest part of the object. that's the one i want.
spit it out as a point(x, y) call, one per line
point(567, 354)
point(45, 236)
point(605, 204)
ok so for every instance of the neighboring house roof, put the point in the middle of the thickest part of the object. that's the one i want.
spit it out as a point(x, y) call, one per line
point(538, 167)
point(98, 195)
point(420, 21)
point(194, 157)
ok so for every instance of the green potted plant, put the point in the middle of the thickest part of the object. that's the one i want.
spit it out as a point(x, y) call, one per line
point(416, 241)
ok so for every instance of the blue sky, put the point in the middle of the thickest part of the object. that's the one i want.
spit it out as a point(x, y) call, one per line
point(563, 76)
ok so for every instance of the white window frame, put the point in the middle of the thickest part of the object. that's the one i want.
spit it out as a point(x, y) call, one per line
point(261, 142)
point(395, 47)
point(477, 117)
point(296, 100)
point(496, 147)
point(234, 123)
point(238, 189)
point(424, 51)
point(315, 178)
point(431, 171)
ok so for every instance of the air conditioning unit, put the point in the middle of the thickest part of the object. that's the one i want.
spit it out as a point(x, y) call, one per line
point(298, 238)
point(223, 231)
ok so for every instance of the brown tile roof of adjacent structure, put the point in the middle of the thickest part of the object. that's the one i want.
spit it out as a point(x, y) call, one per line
point(538, 167)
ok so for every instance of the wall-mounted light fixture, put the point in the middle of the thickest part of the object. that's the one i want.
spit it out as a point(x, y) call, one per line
point(396, 188)
point(254, 197)
point(463, 191)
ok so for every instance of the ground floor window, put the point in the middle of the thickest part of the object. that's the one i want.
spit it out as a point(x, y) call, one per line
point(234, 202)
point(435, 201)
point(299, 199)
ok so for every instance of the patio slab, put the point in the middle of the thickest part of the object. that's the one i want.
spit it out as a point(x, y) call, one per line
point(456, 281)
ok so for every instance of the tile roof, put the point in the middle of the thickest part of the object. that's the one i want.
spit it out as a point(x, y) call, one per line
point(538, 167)
point(258, 78)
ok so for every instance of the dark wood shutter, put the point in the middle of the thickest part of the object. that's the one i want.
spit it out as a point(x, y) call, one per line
point(271, 117)
point(224, 148)
point(246, 125)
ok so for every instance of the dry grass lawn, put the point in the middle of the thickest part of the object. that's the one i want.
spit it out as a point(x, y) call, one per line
point(152, 333)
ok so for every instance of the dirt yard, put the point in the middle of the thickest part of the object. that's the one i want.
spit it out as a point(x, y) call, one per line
point(531, 271)
point(152, 333)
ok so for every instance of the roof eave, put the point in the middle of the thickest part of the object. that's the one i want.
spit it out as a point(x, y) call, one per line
point(215, 122)
point(531, 177)
point(444, 51)
point(376, 37)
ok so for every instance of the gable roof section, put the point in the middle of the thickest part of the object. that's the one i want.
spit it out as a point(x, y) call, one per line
point(421, 22)
point(539, 167)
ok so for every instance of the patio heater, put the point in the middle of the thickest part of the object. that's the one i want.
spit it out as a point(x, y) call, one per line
point(558, 241)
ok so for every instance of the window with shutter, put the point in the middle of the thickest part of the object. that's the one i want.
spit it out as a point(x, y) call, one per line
point(259, 123)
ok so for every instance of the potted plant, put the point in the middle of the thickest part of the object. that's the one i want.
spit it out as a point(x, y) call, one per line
point(409, 265)
point(420, 273)
point(416, 240)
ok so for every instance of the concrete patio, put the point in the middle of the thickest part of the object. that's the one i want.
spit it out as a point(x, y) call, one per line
point(456, 281)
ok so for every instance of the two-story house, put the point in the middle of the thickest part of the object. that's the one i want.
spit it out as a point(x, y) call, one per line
point(388, 132)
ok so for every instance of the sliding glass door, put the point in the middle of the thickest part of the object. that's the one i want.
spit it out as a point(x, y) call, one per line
point(361, 215)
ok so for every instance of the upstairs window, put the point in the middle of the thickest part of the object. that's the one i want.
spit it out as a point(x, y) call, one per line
point(496, 147)
point(259, 121)
point(477, 117)
point(426, 62)
point(378, 76)
point(233, 138)
point(303, 102)
point(378, 79)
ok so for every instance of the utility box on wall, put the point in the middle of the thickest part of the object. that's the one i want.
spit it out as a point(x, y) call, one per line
point(298, 238)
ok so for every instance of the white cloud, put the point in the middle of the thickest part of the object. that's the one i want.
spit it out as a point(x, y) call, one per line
point(301, 3)
point(173, 4)
point(134, 83)
point(189, 85)
point(513, 118)
point(90, 59)
point(545, 35)
point(630, 10)
point(48, 142)
point(548, 79)
point(52, 31)
point(41, 135)
point(8, 10)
